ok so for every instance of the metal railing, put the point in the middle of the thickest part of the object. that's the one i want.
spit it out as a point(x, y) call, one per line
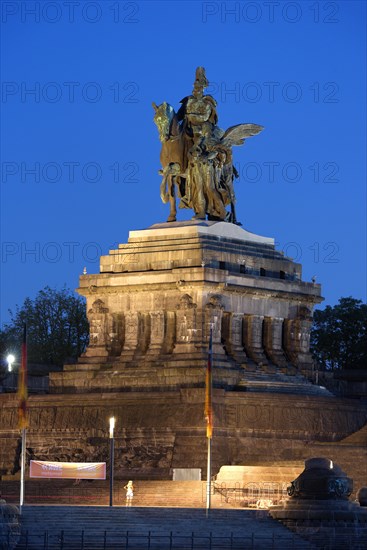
point(128, 540)
point(252, 495)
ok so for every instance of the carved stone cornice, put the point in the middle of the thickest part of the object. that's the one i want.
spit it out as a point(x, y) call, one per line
point(224, 288)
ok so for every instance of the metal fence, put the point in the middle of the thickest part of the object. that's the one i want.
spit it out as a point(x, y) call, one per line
point(64, 540)
point(252, 495)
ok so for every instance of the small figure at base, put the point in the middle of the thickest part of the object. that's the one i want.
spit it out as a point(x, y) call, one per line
point(129, 493)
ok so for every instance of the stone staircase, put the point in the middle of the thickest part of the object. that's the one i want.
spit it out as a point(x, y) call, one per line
point(172, 494)
point(278, 382)
point(139, 528)
point(184, 494)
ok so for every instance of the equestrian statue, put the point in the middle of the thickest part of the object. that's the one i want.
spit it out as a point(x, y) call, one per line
point(196, 155)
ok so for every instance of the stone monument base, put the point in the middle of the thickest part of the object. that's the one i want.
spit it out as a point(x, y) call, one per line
point(151, 309)
point(152, 305)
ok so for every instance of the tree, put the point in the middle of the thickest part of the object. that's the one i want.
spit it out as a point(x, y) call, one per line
point(57, 327)
point(339, 335)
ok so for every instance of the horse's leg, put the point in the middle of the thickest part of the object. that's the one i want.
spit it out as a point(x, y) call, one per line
point(172, 200)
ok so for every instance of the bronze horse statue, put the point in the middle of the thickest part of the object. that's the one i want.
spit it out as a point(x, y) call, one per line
point(202, 170)
point(172, 156)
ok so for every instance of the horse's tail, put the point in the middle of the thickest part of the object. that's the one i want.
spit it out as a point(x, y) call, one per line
point(164, 190)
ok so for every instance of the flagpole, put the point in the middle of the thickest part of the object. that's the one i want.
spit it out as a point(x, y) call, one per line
point(22, 413)
point(208, 477)
point(209, 419)
point(22, 469)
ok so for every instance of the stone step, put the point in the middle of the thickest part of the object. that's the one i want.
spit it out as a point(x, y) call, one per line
point(270, 384)
point(282, 388)
point(146, 493)
point(233, 489)
point(74, 528)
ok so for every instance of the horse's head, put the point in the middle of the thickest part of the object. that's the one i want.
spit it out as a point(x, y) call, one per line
point(164, 114)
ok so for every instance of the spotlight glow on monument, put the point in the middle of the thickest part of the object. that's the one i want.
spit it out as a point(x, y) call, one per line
point(10, 360)
point(112, 425)
point(112, 456)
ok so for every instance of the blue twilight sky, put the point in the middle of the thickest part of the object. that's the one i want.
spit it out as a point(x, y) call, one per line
point(80, 152)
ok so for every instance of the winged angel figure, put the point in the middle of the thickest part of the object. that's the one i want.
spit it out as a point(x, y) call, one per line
point(196, 155)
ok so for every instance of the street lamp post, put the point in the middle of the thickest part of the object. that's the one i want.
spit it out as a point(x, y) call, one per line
point(10, 359)
point(112, 452)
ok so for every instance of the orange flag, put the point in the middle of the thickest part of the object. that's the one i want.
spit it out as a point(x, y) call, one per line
point(208, 411)
point(22, 385)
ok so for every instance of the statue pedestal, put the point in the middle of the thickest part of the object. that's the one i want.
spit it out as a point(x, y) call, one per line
point(151, 308)
point(156, 297)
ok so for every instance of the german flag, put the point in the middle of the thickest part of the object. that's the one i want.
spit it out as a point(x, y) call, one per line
point(208, 411)
point(22, 385)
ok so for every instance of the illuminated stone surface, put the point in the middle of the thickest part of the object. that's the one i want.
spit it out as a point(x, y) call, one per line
point(152, 304)
point(150, 309)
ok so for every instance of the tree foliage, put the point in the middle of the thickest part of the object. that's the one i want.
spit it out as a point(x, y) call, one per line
point(339, 335)
point(57, 327)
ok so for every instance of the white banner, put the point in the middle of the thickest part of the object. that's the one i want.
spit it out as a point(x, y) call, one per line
point(67, 470)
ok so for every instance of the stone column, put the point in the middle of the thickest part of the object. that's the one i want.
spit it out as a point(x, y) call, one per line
point(213, 318)
point(273, 340)
point(186, 325)
point(114, 334)
point(305, 361)
point(157, 332)
point(233, 336)
point(252, 333)
point(97, 317)
point(132, 319)
point(297, 343)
